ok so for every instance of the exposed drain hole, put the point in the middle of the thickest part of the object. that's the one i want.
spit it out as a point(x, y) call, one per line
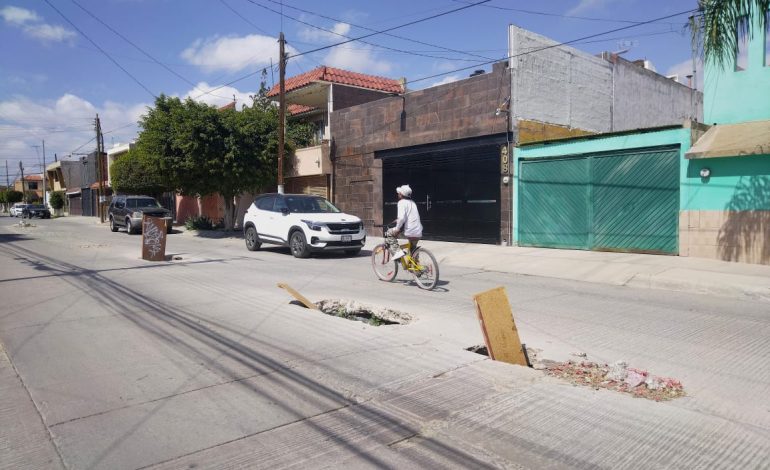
point(371, 315)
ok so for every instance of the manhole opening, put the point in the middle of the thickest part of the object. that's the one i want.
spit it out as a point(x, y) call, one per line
point(351, 310)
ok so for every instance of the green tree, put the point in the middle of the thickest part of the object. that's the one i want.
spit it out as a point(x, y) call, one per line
point(14, 196)
point(136, 173)
point(716, 26)
point(57, 200)
point(201, 150)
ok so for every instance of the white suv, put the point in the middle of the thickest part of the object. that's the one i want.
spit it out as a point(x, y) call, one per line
point(304, 223)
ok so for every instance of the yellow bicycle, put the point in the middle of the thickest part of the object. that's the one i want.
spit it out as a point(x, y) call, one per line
point(420, 263)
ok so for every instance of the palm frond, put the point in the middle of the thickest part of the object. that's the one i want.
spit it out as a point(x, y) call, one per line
point(718, 25)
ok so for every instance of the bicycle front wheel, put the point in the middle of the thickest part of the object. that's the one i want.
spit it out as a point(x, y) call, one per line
point(382, 263)
point(426, 272)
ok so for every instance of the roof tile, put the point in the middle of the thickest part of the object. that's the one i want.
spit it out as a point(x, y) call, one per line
point(342, 77)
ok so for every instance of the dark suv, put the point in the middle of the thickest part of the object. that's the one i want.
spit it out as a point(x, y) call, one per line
point(127, 211)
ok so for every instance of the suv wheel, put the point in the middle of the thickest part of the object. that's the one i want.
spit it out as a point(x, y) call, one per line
point(298, 245)
point(252, 240)
point(113, 225)
point(129, 229)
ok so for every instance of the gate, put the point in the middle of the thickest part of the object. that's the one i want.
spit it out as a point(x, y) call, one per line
point(614, 202)
point(457, 190)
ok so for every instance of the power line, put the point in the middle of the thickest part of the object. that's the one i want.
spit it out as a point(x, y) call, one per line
point(345, 42)
point(147, 54)
point(558, 15)
point(100, 49)
point(386, 34)
point(556, 45)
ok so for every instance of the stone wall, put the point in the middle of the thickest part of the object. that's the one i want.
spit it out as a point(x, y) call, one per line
point(346, 96)
point(457, 110)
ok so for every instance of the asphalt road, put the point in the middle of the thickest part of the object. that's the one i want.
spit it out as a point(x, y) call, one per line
point(115, 362)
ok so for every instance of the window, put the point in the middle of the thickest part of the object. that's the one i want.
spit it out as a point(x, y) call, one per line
point(266, 203)
point(31, 185)
point(742, 44)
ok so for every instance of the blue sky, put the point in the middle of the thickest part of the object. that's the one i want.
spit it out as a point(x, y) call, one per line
point(53, 80)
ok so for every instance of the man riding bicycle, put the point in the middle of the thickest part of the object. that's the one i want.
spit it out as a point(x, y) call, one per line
point(407, 222)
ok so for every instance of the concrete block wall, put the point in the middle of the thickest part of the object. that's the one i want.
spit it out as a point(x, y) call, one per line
point(567, 87)
point(457, 110)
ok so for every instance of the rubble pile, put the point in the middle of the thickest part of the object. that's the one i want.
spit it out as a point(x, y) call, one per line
point(618, 377)
point(352, 310)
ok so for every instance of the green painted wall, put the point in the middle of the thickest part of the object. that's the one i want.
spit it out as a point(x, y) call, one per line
point(591, 145)
point(736, 183)
point(730, 96)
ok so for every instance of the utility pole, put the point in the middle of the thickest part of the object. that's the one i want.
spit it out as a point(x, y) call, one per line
point(99, 149)
point(281, 108)
point(45, 176)
point(23, 193)
point(7, 176)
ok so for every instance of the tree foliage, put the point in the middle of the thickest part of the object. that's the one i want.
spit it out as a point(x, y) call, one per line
point(13, 196)
point(716, 25)
point(57, 200)
point(136, 173)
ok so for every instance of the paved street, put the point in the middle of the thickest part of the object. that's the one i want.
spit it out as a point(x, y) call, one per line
point(114, 362)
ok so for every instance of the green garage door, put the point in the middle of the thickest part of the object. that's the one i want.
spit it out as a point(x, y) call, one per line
point(616, 202)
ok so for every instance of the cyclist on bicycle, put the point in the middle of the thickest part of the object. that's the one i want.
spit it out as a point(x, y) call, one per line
point(407, 222)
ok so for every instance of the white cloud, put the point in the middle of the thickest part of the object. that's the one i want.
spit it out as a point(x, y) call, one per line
point(221, 96)
point(592, 6)
point(684, 68)
point(47, 32)
point(447, 79)
point(65, 123)
point(18, 16)
point(317, 35)
point(33, 25)
point(233, 53)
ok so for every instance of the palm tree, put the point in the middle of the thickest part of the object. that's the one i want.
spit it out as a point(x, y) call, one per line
point(717, 21)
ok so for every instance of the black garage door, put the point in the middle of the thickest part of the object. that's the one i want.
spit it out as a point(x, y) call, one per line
point(456, 188)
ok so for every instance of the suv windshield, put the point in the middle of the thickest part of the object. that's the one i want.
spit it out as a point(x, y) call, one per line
point(309, 204)
point(36, 206)
point(141, 202)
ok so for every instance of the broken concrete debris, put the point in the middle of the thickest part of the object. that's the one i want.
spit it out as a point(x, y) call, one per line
point(618, 377)
point(352, 310)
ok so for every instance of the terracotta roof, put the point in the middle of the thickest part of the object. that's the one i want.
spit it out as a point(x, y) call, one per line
point(230, 105)
point(342, 77)
point(33, 178)
point(294, 109)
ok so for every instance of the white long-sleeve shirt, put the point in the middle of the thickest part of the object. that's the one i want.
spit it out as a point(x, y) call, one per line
point(408, 221)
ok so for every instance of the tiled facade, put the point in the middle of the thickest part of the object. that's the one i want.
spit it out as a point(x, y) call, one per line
point(742, 236)
point(458, 110)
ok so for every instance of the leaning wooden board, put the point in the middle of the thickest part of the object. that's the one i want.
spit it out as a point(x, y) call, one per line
point(500, 334)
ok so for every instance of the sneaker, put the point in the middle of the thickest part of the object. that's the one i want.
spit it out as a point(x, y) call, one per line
point(398, 254)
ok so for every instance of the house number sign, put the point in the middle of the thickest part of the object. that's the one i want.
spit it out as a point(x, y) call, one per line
point(505, 165)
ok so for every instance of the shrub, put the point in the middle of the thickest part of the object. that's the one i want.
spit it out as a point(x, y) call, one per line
point(199, 222)
point(57, 200)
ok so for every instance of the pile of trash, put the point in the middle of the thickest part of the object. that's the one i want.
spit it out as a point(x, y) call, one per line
point(618, 377)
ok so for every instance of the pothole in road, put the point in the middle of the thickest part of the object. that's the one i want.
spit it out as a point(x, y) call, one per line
point(351, 310)
point(618, 376)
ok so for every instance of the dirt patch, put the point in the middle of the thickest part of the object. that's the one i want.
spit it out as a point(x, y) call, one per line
point(352, 310)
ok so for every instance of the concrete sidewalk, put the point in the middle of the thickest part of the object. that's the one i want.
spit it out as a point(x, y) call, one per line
point(695, 275)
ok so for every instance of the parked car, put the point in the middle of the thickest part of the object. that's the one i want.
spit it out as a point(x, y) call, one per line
point(127, 211)
point(305, 223)
point(36, 210)
point(17, 209)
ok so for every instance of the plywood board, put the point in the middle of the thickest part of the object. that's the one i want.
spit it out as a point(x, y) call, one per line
point(298, 296)
point(154, 238)
point(500, 334)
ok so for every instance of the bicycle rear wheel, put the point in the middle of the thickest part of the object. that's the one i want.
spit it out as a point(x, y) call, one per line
point(382, 263)
point(426, 272)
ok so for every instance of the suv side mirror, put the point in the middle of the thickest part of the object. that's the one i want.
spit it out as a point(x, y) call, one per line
point(285, 210)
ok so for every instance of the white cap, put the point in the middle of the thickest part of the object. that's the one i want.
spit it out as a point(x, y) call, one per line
point(404, 190)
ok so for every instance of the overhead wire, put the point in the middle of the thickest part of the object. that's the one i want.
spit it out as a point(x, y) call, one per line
point(101, 50)
point(386, 34)
point(135, 46)
point(558, 44)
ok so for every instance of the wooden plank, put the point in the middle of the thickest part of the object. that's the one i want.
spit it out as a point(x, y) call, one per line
point(500, 334)
point(154, 238)
point(298, 296)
